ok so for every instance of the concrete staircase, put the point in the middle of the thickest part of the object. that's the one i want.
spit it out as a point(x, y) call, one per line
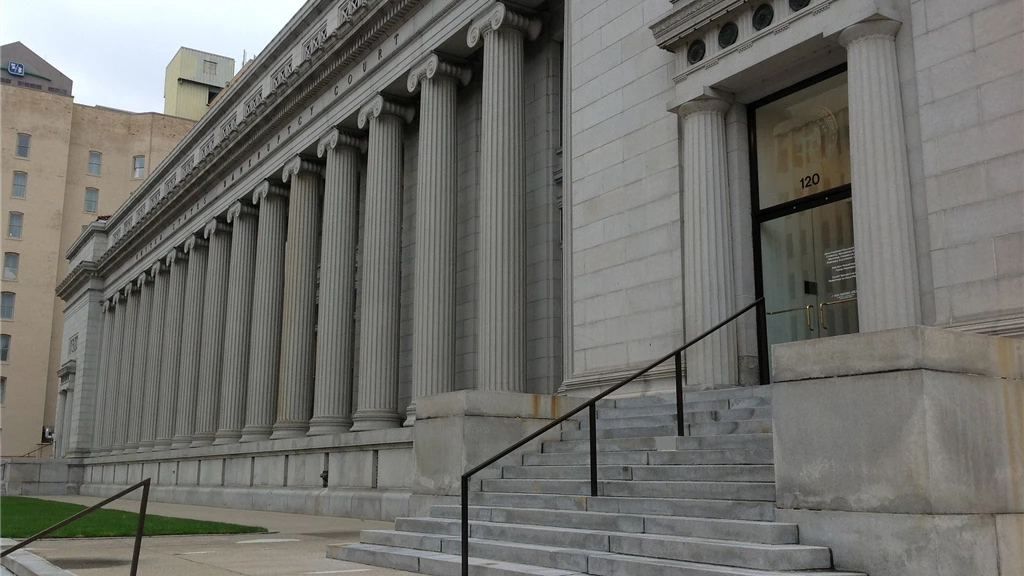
point(699, 505)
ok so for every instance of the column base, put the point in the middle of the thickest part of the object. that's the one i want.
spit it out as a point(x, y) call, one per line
point(164, 444)
point(325, 425)
point(375, 420)
point(410, 414)
point(117, 449)
point(227, 437)
point(179, 442)
point(255, 433)
point(289, 430)
point(131, 448)
point(146, 446)
point(205, 439)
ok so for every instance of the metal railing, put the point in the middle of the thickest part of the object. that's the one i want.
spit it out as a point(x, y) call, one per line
point(138, 531)
point(591, 405)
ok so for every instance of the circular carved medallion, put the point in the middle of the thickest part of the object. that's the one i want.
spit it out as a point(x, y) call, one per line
point(763, 16)
point(797, 5)
point(728, 34)
point(695, 53)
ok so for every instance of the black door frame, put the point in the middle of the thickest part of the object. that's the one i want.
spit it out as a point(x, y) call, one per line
point(759, 216)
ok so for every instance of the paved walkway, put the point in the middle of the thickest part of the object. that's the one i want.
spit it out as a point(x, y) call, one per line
point(296, 547)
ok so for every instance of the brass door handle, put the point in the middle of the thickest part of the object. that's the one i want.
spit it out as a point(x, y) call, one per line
point(808, 310)
point(821, 310)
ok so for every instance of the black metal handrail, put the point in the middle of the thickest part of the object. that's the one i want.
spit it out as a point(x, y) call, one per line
point(138, 531)
point(591, 406)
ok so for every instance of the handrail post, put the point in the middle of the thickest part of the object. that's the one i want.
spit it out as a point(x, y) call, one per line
point(593, 450)
point(141, 527)
point(465, 525)
point(680, 424)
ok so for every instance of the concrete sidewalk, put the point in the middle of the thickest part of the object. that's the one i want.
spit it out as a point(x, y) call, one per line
point(296, 547)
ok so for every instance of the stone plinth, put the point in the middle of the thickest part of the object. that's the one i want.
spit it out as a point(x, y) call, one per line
point(456, 431)
point(912, 439)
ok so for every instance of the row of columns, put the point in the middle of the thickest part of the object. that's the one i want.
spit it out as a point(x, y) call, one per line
point(224, 340)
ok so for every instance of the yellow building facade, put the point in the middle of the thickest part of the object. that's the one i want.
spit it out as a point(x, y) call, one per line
point(193, 79)
point(63, 166)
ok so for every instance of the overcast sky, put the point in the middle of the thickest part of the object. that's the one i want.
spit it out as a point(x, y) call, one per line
point(116, 51)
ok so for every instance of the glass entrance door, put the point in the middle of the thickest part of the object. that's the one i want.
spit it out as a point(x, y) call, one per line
point(809, 274)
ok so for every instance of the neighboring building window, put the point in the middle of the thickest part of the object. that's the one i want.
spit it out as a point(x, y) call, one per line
point(14, 220)
point(95, 160)
point(20, 182)
point(3, 389)
point(21, 150)
point(139, 167)
point(7, 305)
point(92, 199)
point(11, 265)
point(5, 346)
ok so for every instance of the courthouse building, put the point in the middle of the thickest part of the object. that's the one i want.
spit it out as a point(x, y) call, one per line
point(412, 231)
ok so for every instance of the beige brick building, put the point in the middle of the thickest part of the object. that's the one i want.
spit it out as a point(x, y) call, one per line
point(64, 165)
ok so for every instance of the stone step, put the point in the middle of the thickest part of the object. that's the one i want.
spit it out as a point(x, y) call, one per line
point(684, 457)
point(660, 409)
point(710, 472)
point(669, 418)
point(760, 491)
point(598, 563)
point(653, 458)
point(433, 563)
point(709, 429)
point(692, 507)
point(669, 442)
point(724, 552)
point(738, 397)
point(720, 529)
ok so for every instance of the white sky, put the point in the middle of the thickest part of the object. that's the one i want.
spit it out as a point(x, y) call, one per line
point(116, 51)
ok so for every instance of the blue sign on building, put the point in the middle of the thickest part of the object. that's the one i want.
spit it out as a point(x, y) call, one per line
point(16, 68)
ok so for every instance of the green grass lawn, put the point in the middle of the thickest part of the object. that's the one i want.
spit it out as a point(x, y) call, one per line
point(22, 517)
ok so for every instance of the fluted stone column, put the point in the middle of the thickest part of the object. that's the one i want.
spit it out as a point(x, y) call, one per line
point(298, 319)
point(332, 396)
point(59, 431)
point(176, 262)
point(103, 388)
point(433, 352)
point(110, 409)
point(211, 356)
point(382, 246)
point(235, 366)
point(154, 350)
point(191, 343)
point(267, 296)
point(137, 393)
point(124, 387)
point(501, 256)
point(883, 219)
point(709, 295)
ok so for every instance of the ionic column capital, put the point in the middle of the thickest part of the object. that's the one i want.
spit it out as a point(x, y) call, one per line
point(107, 305)
point(214, 226)
point(127, 289)
point(501, 17)
point(115, 300)
point(175, 254)
point(143, 279)
point(379, 106)
point(334, 138)
point(433, 66)
point(703, 104)
point(268, 188)
point(158, 268)
point(237, 210)
point(299, 164)
point(194, 242)
point(883, 28)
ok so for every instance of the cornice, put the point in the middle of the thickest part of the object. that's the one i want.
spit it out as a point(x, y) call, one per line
point(371, 20)
point(77, 278)
point(687, 18)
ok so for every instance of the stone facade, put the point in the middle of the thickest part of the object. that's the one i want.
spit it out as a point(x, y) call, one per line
point(464, 201)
